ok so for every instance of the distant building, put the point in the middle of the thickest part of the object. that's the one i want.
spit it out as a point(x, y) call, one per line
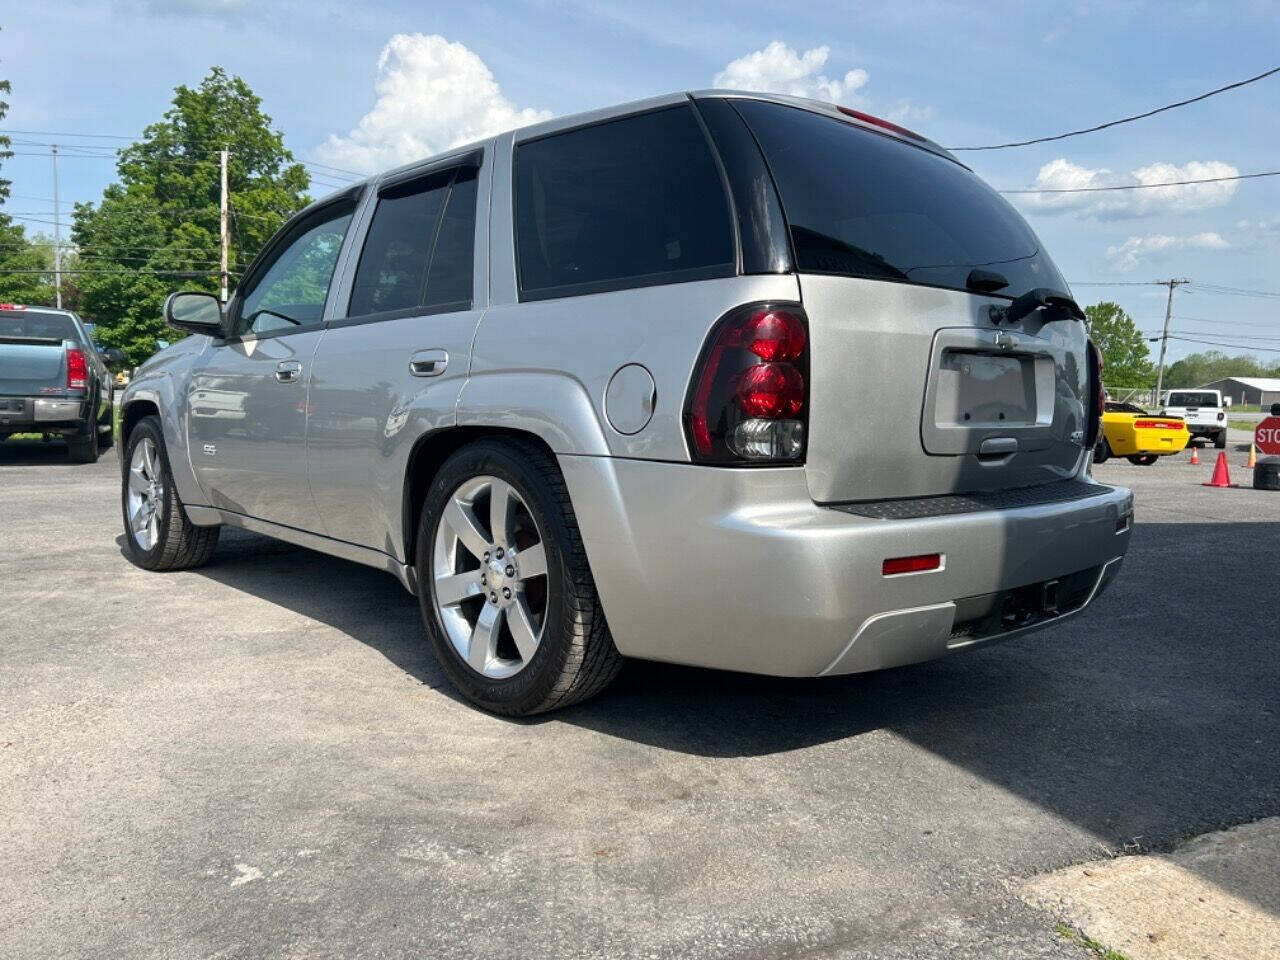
point(1252, 390)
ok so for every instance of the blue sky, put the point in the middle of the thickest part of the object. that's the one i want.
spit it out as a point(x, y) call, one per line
point(366, 85)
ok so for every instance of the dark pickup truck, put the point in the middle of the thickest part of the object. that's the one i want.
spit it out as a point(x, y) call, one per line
point(54, 380)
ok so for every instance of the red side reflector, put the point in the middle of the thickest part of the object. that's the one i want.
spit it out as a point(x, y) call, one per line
point(879, 122)
point(918, 564)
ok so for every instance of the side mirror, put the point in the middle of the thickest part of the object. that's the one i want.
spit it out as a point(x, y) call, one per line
point(113, 357)
point(194, 313)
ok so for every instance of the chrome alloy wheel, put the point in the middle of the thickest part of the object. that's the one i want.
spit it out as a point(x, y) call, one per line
point(145, 494)
point(489, 577)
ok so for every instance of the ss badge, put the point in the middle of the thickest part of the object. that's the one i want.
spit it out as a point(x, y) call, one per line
point(210, 450)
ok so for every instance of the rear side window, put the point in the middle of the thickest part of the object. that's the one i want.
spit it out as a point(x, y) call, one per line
point(419, 249)
point(867, 205)
point(626, 203)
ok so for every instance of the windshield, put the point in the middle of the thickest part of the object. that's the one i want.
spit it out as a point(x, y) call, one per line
point(37, 325)
point(1193, 400)
point(867, 205)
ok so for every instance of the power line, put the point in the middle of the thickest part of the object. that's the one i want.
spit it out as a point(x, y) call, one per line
point(1234, 291)
point(1148, 186)
point(1137, 116)
point(1233, 346)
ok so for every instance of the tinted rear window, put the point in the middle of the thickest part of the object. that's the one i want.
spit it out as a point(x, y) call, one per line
point(867, 205)
point(1193, 400)
point(625, 203)
point(35, 325)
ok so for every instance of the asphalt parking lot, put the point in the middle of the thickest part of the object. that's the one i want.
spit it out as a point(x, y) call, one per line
point(260, 759)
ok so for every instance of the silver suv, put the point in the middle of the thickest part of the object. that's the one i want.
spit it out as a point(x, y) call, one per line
point(722, 379)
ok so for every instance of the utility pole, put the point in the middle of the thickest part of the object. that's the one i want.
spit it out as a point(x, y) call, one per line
point(222, 222)
point(57, 233)
point(1164, 337)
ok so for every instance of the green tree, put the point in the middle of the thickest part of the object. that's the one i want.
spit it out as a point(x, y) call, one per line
point(1126, 360)
point(26, 267)
point(1197, 369)
point(157, 230)
point(5, 152)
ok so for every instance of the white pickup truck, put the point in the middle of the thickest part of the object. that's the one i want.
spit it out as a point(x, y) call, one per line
point(1202, 410)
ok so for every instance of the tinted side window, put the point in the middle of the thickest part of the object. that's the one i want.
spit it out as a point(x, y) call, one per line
point(624, 203)
point(292, 290)
point(392, 273)
point(867, 205)
point(453, 261)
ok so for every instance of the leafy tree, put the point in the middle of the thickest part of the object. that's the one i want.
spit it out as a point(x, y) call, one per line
point(5, 152)
point(20, 258)
point(1126, 360)
point(157, 229)
point(1197, 369)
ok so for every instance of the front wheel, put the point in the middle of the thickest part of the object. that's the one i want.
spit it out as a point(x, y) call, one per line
point(157, 533)
point(508, 601)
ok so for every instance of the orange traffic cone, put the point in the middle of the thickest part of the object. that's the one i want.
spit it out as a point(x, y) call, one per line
point(1253, 457)
point(1195, 456)
point(1221, 476)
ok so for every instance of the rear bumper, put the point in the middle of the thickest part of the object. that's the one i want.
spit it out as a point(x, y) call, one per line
point(1205, 429)
point(19, 414)
point(740, 570)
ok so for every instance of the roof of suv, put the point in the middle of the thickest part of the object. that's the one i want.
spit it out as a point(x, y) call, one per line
point(557, 124)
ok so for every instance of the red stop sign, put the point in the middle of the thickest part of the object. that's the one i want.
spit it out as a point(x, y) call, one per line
point(1267, 436)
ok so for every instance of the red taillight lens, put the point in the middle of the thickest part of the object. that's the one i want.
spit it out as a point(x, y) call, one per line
point(917, 564)
point(1157, 424)
point(771, 391)
point(77, 369)
point(775, 335)
point(747, 400)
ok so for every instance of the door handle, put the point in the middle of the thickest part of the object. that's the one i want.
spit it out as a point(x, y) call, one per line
point(428, 363)
point(288, 371)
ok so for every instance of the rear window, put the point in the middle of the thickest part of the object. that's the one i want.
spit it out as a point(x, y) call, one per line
point(864, 204)
point(1193, 400)
point(626, 203)
point(34, 325)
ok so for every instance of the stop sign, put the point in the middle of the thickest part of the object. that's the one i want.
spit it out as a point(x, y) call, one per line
point(1267, 436)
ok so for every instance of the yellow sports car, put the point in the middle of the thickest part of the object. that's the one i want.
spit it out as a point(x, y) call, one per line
point(1129, 431)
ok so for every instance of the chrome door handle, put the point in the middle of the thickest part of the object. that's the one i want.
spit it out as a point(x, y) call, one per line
point(288, 371)
point(428, 363)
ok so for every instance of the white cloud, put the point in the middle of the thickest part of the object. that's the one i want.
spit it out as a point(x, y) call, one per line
point(779, 69)
point(1062, 174)
point(431, 95)
point(1128, 254)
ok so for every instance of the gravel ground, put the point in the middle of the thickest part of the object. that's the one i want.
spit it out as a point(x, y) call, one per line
point(261, 759)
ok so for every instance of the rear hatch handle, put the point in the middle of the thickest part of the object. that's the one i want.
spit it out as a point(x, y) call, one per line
point(1059, 305)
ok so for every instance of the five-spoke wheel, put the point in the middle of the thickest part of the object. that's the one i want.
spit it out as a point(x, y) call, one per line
point(144, 494)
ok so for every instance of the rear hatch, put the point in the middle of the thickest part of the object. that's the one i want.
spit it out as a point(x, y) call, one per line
point(33, 351)
point(914, 391)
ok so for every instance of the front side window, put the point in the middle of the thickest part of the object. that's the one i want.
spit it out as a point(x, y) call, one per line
point(292, 290)
point(629, 202)
point(420, 248)
point(864, 204)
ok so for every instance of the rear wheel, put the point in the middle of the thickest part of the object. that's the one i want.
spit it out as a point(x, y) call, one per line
point(158, 535)
point(106, 426)
point(508, 601)
point(1143, 460)
point(1102, 452)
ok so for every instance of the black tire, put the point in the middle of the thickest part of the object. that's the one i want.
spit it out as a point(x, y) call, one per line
point(575, 658)
point(1220, 440)
point(84, 449)
point(180, 545)
point(1102, 451)
point(1143, 460)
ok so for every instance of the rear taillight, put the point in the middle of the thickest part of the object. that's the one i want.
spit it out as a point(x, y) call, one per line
point(77, 369)
point(748, 399)
point(1097, 396)
point(1157, 424)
